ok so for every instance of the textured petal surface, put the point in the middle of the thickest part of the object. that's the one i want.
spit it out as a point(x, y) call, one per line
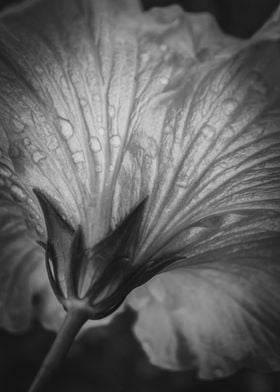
point(220, 309)
point(102, 106)
point(47, 139)
point(83, 97)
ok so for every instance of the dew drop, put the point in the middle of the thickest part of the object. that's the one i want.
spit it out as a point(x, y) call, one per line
point(18, 193)
point(64, 217)
point(229, 105)
point(78, 157)
point(145, 57)
point(18, 126)
point(26, 141)
point(98, 168)
point(95, 144)
point(39, 69)
point(39, 229)
point(38, 156)
point(66, 128)
point(115, 141)
point(168, 129)
point(163, 80)
point(97, 98)
point(208, 132)
point(111, 111)
point(52, 142)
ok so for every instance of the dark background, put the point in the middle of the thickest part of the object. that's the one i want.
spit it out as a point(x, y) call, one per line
point(110, 358)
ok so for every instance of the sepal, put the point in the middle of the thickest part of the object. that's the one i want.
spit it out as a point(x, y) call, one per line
point(60, 235)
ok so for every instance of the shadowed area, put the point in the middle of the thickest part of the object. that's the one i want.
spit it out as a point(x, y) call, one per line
point(109, 359)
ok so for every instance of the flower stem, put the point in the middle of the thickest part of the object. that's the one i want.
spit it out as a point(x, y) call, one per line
point(73, 322)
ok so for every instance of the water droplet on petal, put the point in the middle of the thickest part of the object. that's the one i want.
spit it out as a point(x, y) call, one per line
point(95, 144)
point(52, 142)
point(38, 156)
point(18, 193)
point(208, 132)
point(66, 128)
point(164, 80)
point(97, 98)
point(26, 141)
point(145, 57)
point(111, 111)
point(115, 141)
point(18, 126)
point(39, 69)
point(39, 229)
point(229, 105)
point(78, 157)
point(168, 129)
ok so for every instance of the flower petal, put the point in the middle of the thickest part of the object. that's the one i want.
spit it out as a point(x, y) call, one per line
point(217, 316)
point(220, 157)
point(216, 208)
point(55, 66)
point(101, 106)
point(85, 88)
point(75, 91)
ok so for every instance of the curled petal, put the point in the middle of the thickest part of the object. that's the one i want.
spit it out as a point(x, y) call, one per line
point(217, 316)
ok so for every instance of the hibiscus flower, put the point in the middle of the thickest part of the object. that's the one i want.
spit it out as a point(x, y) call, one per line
point(140, 158)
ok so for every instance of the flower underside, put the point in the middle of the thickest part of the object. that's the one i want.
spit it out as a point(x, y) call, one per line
point(101, 277)
point(134, 143)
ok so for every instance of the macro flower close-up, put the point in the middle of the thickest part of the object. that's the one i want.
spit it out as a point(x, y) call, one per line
point(140, 168)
